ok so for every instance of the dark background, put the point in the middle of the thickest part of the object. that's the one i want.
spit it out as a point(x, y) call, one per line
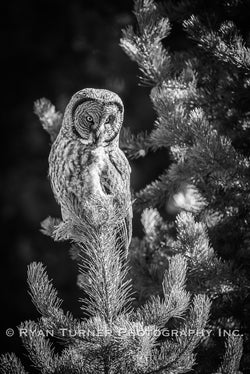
point(52, 49)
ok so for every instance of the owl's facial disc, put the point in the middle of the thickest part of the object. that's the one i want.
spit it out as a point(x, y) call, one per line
point(96, 122)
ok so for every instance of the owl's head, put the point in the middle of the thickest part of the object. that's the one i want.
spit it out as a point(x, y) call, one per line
point(94, 116)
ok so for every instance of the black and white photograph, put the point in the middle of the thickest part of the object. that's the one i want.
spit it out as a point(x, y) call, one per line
point(125, 187)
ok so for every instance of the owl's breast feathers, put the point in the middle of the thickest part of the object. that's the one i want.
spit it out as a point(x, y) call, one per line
point(83, 170)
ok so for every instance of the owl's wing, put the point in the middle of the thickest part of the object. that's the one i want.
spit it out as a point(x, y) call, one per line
point(120, 162)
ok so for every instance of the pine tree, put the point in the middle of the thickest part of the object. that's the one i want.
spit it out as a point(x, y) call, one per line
point(200, 98)
point(208, 177)
point(201, 104)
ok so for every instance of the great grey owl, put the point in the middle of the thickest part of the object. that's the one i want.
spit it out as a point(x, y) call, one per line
point(85, 160)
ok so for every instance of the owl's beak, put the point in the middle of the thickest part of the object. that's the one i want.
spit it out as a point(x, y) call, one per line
point(99, 135)
point(100, 131)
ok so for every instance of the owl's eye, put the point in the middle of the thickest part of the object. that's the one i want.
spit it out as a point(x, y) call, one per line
point(89, 119)
point(110, 119)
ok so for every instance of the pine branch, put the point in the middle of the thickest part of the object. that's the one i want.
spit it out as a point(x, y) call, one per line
point(192, 238)
point(45, 298)
point(232, 357)
point(179, 357)
point(164, 360)
point(225, 45)
point(172, 101)
point(176, 299)
point(150, 219)
point(134, 342)
point(196, 321)
point(73, 359)
point(39, 348)
point(145, 47)
point(174, 190)
point(50, 119)
point(10, 364)
point(49, 225)
point(134, 146)
point(103, 274)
